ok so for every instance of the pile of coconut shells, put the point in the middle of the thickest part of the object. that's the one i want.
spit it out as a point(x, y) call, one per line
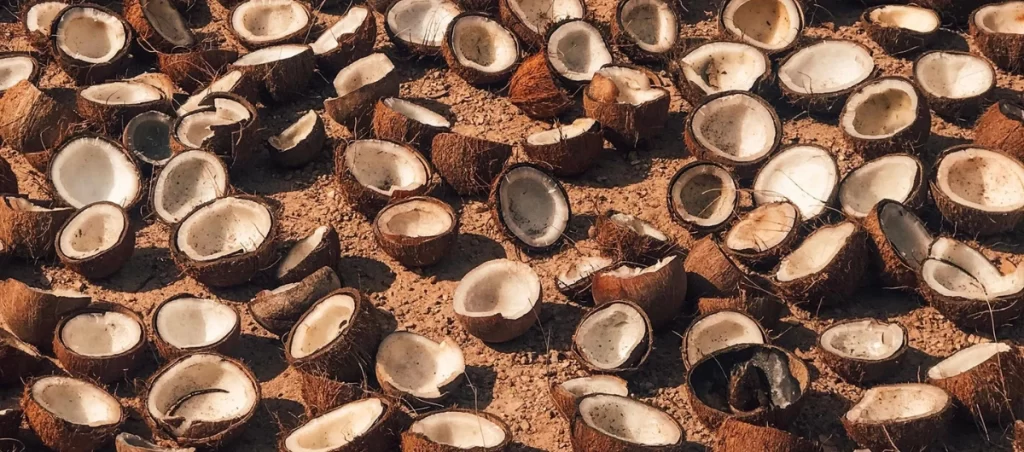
point(151, 114)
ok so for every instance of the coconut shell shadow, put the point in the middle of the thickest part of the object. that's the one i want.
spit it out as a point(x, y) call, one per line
point(477, 390)
point(274, 417)
point(553, 330)
point(663, 369)
point(367, 275)
point(264, 355)
point(472, 250)
point(793, 336)
point(820, 417)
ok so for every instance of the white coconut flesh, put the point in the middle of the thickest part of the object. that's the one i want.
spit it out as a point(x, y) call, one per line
point(202, 388)
point(954, 75)
point(198, 126)
point(576, 50)
point(92, 231)
point(651, 24)
point(880, 109)
point(418, 366)
point(99, 334)
point(718, 331)
point(735, 127)
point(816, 252)
point(385, 167)
point(537, 15)
point(271, 54)
point(829, 66)
point(608, 337)
point(764, 228)
point(627, 271)
point(88, 170)
point(724, 66)
point(596, 384)
point(561, 133)
point(364, 71)
point(982, 179)
point(768, 24)
point(326, 321)
point(906, 233)
point(582, 269)
point(890, 177)
point(629, 420)
point(634, 86)
point(348, 24)
point(188, 322)
point(40, 16)
point(483, 44)
point(189, 180)
point(225, 227)
point(638, 226)
point(295, 133)
point(417, 219)
point(416, 112)
point(90, 35)
point(223, 84)
point(459, 429)
point(336, 428)
point(803, 175)
point(498, 288)
point(1001, 18)
point(868, 340)
point(301, 250)
point(955, 269)
point(704, 195)
point(76, 401)
point(967, 359)
point(168, 22)
point(533, 206)
point(421, 22)
point(122, 93)
point(894, 403)
point(14, 69)
point(260, 21)
point(908, 17)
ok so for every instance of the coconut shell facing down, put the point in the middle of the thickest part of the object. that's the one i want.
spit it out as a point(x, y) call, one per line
point(739, 436)
point(535, 90)
point(1001, 127)
point(416, 231)
point(277, 310)
point(37, 122)
point(104, 342)
point(468, 164)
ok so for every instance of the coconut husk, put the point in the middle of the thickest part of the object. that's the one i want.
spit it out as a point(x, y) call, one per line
point(59, 434)
point(534, 88)
point(8, 180)
point(169, 352)
point(355, 109)
point(234, 143)
point(962, 109)
point(660, 294)
point(471, 75)
point(990, 391)
point(570, 156)
point(743, 170)
point(35, 121)
point(305, 151)
point(147, 34)
point(384, 434)
point(283, 80)
point(21, 361)
point(278, 312)
point(499, 216)
point(627, 126)
point(298, 36)
point(103, 369)
point(739, 436)
point(108, 262)
point(478, 5)
point(381, 6)
point(585, 438)
point(351, 47)
point(966, 218)
point(1005, 50)
point(837, 281)
point(918, 197)
point(908, 140)
point(710, 272)
point(625, 244)
point(40, 39)
point(88, 73)
point(860, 371)
point(766, 309)
point(1018, 436)
point(127, 442)
point(418, 442)
point(30, 234)
point(321, 393)
point(366, 201)
point(32, 314)
point(1001, 127)
point(351, 355)
point(636, 359)
point(193, 68)
point(895, 272)
point(470, 165)
point(39, 161)
point(391, 125)
point(975, 315)
point(324, 255)
point(896, 41)
point(417, 251)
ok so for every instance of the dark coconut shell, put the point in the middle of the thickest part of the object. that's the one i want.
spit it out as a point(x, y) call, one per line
point(170, 352)
point(389, 124)
point(570, 156)
point(990, 391)
point(21, 361)
point(909, 140)
point(860, 371)
point(1005, 50)
point(622, 40)
point(36, 122)
point(351, 355)
point(673, 207)
point(355, 109)
point(8, 180)
point(684, 347)
point(626, 126)
point(565, 402)
point(742, 170)
point(33, 76)
point(769, 257)
point(959, 110)
point(32, 314)
point(766, 309)
point(234, 143)
point(499, 216)
point(585, 438)
point(278, 312)
point(283, 80)
point(351, 47)
point(529, 38)
point(837, 281)
point(471, 75)
point(324, 255)
point(147, 34)
point(895, 272)
point(417, 251)
point(955, 11)
point(830, 103)
point(127, 442)
point(381, 6)
point(91, 73)
point(535, 89)
point(710, 272)
point(30, 234)
point(298, 36)
point(321, 393)
point(623, 243)
point(137, 147)
point(896, 41)
point(724, 32)
point(103, 369)
point(478, 5)
point(469, 164)
point(1002, 127)
point(636, 359)
point(107, 262)
point(739, 436)
point(10, 422)
point(418, 442)
point(369, 202)
point(193, 68)
point(660, 294)
point(305, 151)
point(913, 434)
point(383, 435)
point(61, 435)
point(974, 221)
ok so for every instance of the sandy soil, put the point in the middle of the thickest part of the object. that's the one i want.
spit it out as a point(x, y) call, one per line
point(511, 380)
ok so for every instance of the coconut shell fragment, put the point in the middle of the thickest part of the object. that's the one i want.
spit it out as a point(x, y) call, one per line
point(901, 29)
point(863, 350)
point(598, 426)
point(995, 28)
point(299, 143)
point(37, 19)
point(225, 124)
point(36, 121)
point(535, 90)
point(416, 231)
point(570, 149)
point(468, 164)
point(900, 242)
point(373, 173)
point(127, 442)
point(282, 72)
point(905, 416)
point(196, 67)
point(317, 250)
point(158, 24)
point(10, 422)
point(347, 40)
point(531, 206)
point(277, 310)
point(104, 342)
point(345, 353)
point(739, 436)
point(710, 272)
point(803, 276)
point(29, 227)
point(719, 330)
point(498, 300)
point(566, 395)
point(373, 423)
point(32, 314)
point(628, 238)
point(766, 309)
point(21, 361)
point(635, 113)
point(321, 393)
point(457, 429)
point(819, 77)
point(358, 87)
point(774, 26)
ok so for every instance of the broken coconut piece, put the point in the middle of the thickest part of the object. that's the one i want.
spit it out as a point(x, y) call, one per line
point(498, 300)
point(283, 71)
point(372, 173)
point(628, 238)
point(570, 150)
point(225, 124)
point(901, 242)
point(897, 177)
point(819, 77)
point(805, 175)
point(827, 267)
point(703, 197)
point(299, 143)
point(318, 249)
point(645, 30)
point(771, 25)
point(611, 422)
point(901, 29)
point(357, 88)
point(97, 240)
point(762, 236)
point(90, 43)
point(457, 429)
point(574, 280)
point(159, 24)
point(957, 84)
point(909, 416)
point(531, 19)
point(104, 342)
point(417, 369)
point(567, 394)
point(127, 442)
point(659, 289)
point(72, 415)
point(613, 337)
point(277, 310)
point(416, 231)
point(321, 393)
point(627, 103)
point(36, 123)
point(980, 191)
point(863, 350)
point(735, 129)
point(184, 324)
point(884, 116)
point(337, 337)
point(262, 23)
point(21, 362)
point(987, 379)
point(111, 105)
point(576, 50)
point(37, 19)
point(715, 67)
point(371, 422)
point(713, 332)
point(534, 89)
point(15, 67)
point(188, 180)
point(418, 26)
point(29, 226)
point(349, 39)
point(405, 121)
point(997, 30)
point(32, 314)
point(479, 49)
point(711, 272)
point(1001, 127)
point(765, 308)
point(739, 436)
point(234, 81)
point(531, 206)
point(90, 168)
point(194, 67)
point(468, 164)
point(147, 136)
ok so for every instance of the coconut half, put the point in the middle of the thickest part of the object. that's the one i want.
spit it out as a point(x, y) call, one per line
point(104, 342)
point(405, 121)
point(997, 30)
point(261, 23)
point(884, 116)
point(574, 280)
point(28, 227)
point(358, 87)
point(97, 240)
point(902, 243)
point(230, 82)
point(735, 129)
point(88, 168)
point(337, 336)
point(828, 266)
point(805, 175)
point(531, 19)
point(570, 149)
point(629, 105)
point(957, 84)
point(37, 19)
point(646, 30)
point(614, 337)
point(717, 67)
point(224, 124)
point(415, 367)
point(480, 49)
point(15, 67)
point(612, 422)
point(901, 29)
point(159, 24)
point(283, 71)
point(703, 196)
point(498, 300)
point(535, 89)
point(349, 39)
point(576, 50)
point(299, 143)
point(819, 77)
point(419, 26)
point(567, 394)
point(417, 231)
point(278, 309)
point(225, 242)
point(188, 180)
point(147, 136)
point(659, 289)
point(771, 25)
point(980, 191)
point(1000, 127)
point(627, 238)
point(184, 325)
point(373, 172)
point(350, 428)
point(712, 332)
point(90, 43)
point(907, 416)
point(532, 206)
point(968, 289)
point(898, 177)
point(457, 429)
point(318, 249)
point(764, 234)
point(987, 379)
point(739, 436)
point(861, 351)
point(71, 414)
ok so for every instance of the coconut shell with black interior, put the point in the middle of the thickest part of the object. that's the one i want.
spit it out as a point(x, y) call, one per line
point(1004, 47)
point(572, 152)
point(384, 434)
point(21, 361)
point(460, 434)
point(106, 262)
point(390, 124)
point(147, 137)
point(351, 46)
point(59, 434)
point(32, 314)
point(142, 19)
point(738, 436)
point(196, 67)
point(91, 73)
point(910, 138)
point(29, 227)
point(368, 201)
point(469, 164)
point(535, 89)
point(278, 310)
point(973, 185)
point(280, 80)
point(626, 125)
point(710, 272)
point(896, 40)
point(36, 121)
point(624, 243)
point(234, 142)
point(898, 270)
point(321, 393)
point(105, 368)
point(225, 345)
point(324, 254)
point(416, 248)
point(349, 357)
point(992, 390)
point(838, 280)
point(637, 357)
point(661, 294)
point(862, 370)
point(1002, 127)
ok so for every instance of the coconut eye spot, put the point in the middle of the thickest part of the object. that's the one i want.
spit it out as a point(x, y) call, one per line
point(327, 320)
point(608, 337)
point(92, 231)
point(76, 401)
point(418, 218)
point(498, 287)
point(736, 126)
point(1001, 18)
point(88, 169)
point(484, 44)
point(576, 50)
point(891, 177)
point(188, 322)
point(865, 339)
point(724, 66)
point(898, 402)
point(417, 365)
point(422, 22)
point(827, 67)
point(954, 75)
point(268, 20)
point(90, 35)
point(336, 428)
point(629, 420)
point(14, 69)
point(803, 175)
point(770, 24)
point(718, 331)
point(816, 252)
point(348, 24)
point(922, 20)
point(385, 167)
point(537, 15)
point(533, 206)
point(225, 227)
point(704, 195)
point(201, 389)
point(100, 334)
point(763, 228)
point(459, 429)
point(651, 23)
point(982, 179)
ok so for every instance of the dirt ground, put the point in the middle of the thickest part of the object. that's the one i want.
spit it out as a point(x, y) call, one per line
point(511, 380)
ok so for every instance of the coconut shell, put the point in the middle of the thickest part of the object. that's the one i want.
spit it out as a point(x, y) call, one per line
point(305, 151)
point(298, 36)
point(103, 369)
point(234, 143)
point(418, 442)
point(585, 438)
point(445, 389)
point(916, 200)
point(417, 251)
point(381, 6)
point(498, 212)
point(1018, 436)
point(895, 273)
point(30, 234)
point(660, 294)
point(351, 47)
point(369, 202)
point(40, 39)
point(127, 442)
point(283, 80)
point(147, 34)
point(958, 110)
point(391, 125)
point(770, 257)
point(695, 95)
point(59, 434)
point(21, 361)
point(498, 329)
point(726, 34)
point(687, 223)
point(739, 436)
point(324, 255)
point(32, 314)
point(636, 359)
point(1005, 50)
point(896, 41)
point(535, 89)
point(914, 434)
point(355, 110)
point(909, 140)
point(169, 352)
point(410, 48)
point(530, 39)
point(974, 221)
point(622, 40)
point(193, 68)
point(710, 272)
point(766, 309)
point(743, 170)
point(92, 73)
point(622, 243)
point(1001, 127)
point(278, 312)
point(321, 393)
point(39, 161)
point(105, 263)
point(570, 156)
point(470, 165)
point(684, 347)
point(566, 403)
point(860, 371)
point(383, 435)
point(837, 281)
point(829, 104)
point(991, 390)
point(626, 126)
point(36, 122)
point(10, 422)
point(126, 203)
point(475, 76)
point(33, 76)
point(351, 355)
point(975, 315)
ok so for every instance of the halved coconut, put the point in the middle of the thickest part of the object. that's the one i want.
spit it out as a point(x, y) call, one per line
point(863, 350)
point(574, 280)
point(901, 242)
point(531, 206)
point(318, 249)
point(805, 175)
point(29, 227)
point(416, 231)
point(739, 436)
point(358, 86)
point(659, 289)
point(703, 196)
point(457, 429)
point(764, 234)
point(21, 362)
point(901, 29)
point(819, 77)
point(111, 105)
point(480, 49)
point(364, 424)
point(188, 180)
point(997, 30)
point(282, 71)
point(468, 164)
point(614, 337)
point(225, 242)
point(827, 267)
point(262, 23)
point(1002, 127)
point(884, 116)
point(322, 393)
point(987, 379)
point(980, 191)
point(569, 150)
point(576, 50)
point(968, 289)
point(771, 25)
point(225, 124)
point(277, 310)
point(147, 137)
point(498, 300)
point(909, 416)
point(711, 272)
point(897, 177)
point(203, 400)
point(645, 30)
point(32, 314)
point(35, 122)
point(607, 422)
point(406, 121)
point(97, 240)
point(104, 341)
point(198, 66)
point(69, 414)
point(716, 67)
point(567, 394)
point(418, 26)
point(415, 367)
point(300, 142)
point(957, 84)
point(90, 168)
point(15, 67)
point(534, 89)
point(530, 19)
point(338, 336)
point(628, 238)
point(159, 24)
point(234, 81)
point(184, 324)
point(735, 129)
point(90, 43)
point(347, 40)
point(627, 103)
point(127, 442)
point(371, 173)
point(37, 19)
point(713, 332)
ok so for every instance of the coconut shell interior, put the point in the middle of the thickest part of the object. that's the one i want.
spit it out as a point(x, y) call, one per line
point(880, 109)
point(223, 228)
point(194, 323)
point(483, 44)
point(576, 50)
point(804, 175)
point(896, 177)
point(190, 393)
point(763, 228)
point(630, 421)
point(532, 206)
point(736, 127)
point(415, 365)
point(902, 402)
point(954, 75)
point(333, 36)
point(772, 25)
point(720, 330)
point(461, 430)
point(704, 195)
point(608, 338)
point(338, 427)
point(90, 35)
point(105, 162)
point(499, 287)
point(868, 340)
point(724, 66)
point(827, 67)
